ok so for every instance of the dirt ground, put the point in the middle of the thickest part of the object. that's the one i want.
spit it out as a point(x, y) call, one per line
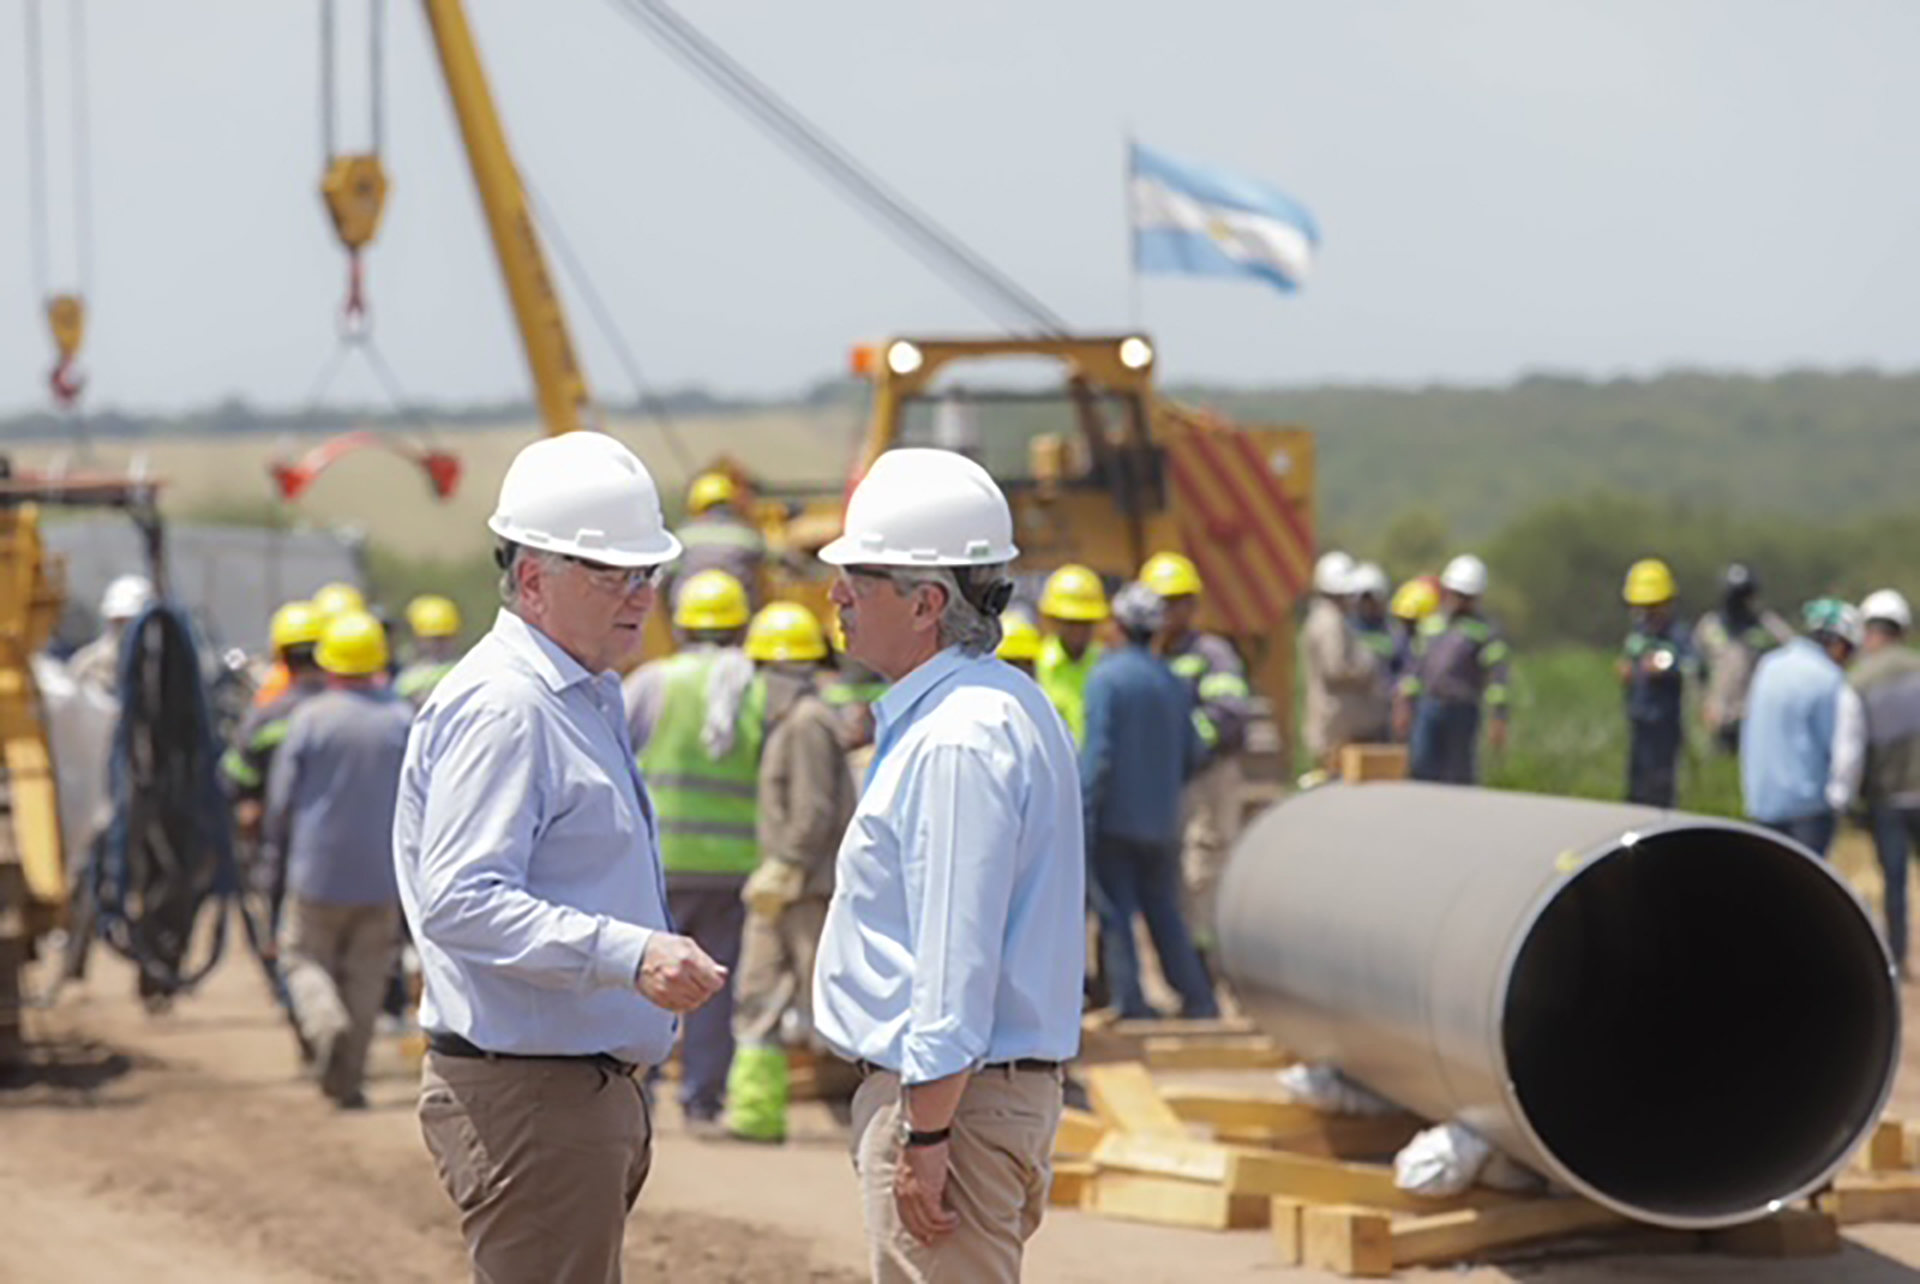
point(184, 1148)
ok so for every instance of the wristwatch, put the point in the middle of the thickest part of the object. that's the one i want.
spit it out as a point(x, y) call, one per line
point(912, 1137)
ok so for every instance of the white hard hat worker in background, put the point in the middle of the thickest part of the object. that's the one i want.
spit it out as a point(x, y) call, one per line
point(1455, 675)
point(1340, 675)
point(961, 1008)
point(1465, 575)
point(97, 664)
point(530, 876)
point(1887, 743)
point(1803, 742)
point(1333, 574)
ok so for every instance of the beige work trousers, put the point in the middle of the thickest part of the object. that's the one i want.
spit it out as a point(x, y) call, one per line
point(776, 970)
point(544, 1158)
point(1002, 1152)
point(336, 960)
point(1212, 805)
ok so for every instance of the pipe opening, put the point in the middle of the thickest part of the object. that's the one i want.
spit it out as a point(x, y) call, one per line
point(1700, 1024)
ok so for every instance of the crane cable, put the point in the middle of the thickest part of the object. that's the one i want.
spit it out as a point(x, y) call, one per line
point(353, 186)
point(936, 247)
point(66, 310)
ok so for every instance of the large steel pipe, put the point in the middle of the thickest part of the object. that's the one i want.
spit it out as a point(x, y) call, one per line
point(1688, 1020)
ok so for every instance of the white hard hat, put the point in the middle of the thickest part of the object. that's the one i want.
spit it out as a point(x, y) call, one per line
point(1368, 580)
point(1332, 573)
point(1465, 575)
point(126, 597)
point(1888, 605)
point(925, 508)
point(586, 495)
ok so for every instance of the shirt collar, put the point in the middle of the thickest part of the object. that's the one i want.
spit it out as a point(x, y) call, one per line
point(539, 652)
point(909, 691)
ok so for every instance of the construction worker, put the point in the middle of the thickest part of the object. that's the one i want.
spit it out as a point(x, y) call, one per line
point(337, 598)
point(1373, 628)
point(1073, 604)
point(434, 622)
point(1216, 678)
point(1653, 669)
point(329, 601)
point(718, 537)
point(1020, 642)
point(954, 951)
point(529, 873)
point(1887, 743)
point(1797, 764)
point(329, 817)
point(1459, 668)
point(98, 662)
point(1341, 674)
point(1140, 750)
point(246, 766)
point(805, 800)
point(1412, 602)
point(1728, 643)
point(698, 720)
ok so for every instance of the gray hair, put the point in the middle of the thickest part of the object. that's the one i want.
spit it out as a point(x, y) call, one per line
point(963, 623)
point(508, 556)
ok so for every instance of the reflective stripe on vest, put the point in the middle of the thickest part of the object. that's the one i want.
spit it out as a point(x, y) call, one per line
point(707, 810)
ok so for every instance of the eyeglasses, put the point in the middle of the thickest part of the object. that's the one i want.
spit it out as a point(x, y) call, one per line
point(623, 580)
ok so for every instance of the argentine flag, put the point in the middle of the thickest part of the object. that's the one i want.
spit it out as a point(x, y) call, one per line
point(1203, 222)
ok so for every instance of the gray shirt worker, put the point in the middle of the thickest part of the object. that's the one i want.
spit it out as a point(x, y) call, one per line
point(331, 795)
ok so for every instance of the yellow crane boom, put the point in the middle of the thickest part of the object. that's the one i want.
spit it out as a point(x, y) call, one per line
point(560, 386)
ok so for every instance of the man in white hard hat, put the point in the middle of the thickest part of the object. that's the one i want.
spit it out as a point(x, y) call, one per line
point(98, 662)
point(1887, 679)
point(529, 865)
point(1458, 667)
point(951, 964)
point(1799, 762)
point(1340, 671)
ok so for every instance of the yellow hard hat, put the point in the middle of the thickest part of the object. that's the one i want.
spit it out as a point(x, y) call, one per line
point(1074, 593)
point(337, 599)
point(1172, 575)
point(1416, 599)
point(1019, 638)
point(710, 600)
point(433, 616)
point(354, 645)
point(1649, 583)
point(785, 632)
point(710, 490)
point(295, 624)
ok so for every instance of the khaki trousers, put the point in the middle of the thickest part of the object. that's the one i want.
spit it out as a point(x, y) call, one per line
point(1212, 805)
point(336, 960)
point(776, 970)
point(1001, 1167)
point(544, 1158)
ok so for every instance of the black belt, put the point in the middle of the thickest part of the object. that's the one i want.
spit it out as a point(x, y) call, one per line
point(868, 1068)
point(452, 1045)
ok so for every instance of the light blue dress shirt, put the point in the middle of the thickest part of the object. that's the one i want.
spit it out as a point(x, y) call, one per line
point(331, 795)
point(957, 932)
point(528, 858)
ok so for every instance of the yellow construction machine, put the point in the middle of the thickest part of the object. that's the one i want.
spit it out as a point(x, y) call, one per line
point(1100, 470)
point(33, 869)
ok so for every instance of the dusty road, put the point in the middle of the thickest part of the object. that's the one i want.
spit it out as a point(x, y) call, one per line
point(184, 1148)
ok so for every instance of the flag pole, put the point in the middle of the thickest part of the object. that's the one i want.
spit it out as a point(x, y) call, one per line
point(1133, 233)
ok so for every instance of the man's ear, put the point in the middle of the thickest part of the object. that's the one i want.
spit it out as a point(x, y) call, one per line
point(930, 614)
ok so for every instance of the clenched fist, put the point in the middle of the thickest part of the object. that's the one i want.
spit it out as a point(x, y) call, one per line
point(677, 974)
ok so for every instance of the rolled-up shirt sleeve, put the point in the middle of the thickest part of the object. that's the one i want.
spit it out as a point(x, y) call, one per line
point(484, 811)
point(959, 866)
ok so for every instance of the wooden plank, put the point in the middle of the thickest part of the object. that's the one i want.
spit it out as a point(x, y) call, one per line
point(1362, 763)
point(1886, 1148)
point(1791, 1232)
point(1079, 1133)
point(1326, 1181)
point(1881, 1197)
point(1332, 1137)
point(1348, 1241)
point(1285, 1217)
point(1164, 1156)
point(1447, 1237)
point(1250, 1111)
point(1183, 1028)
point(1225, 1053)
point(1071, 1180)
point(1124, 1095)
point(1168, 1201)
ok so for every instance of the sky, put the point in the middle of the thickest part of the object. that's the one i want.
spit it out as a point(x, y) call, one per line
point(1602, 187)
